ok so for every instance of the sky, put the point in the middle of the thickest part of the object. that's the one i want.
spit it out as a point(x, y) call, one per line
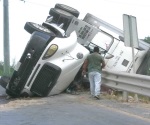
point(36, 11)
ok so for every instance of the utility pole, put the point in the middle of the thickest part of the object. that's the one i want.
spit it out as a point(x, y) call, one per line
point(6, 38)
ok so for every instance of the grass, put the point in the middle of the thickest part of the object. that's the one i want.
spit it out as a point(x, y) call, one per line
point(117, 95)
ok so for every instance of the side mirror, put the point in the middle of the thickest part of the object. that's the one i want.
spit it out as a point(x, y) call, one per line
point(109, 56)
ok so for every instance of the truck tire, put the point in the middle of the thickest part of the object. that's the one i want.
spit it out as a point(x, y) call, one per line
point(30, 27)
point(68, 9)
point(61, 17)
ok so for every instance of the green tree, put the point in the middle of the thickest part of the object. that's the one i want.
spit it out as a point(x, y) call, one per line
point(147, 39)
point(2, 68)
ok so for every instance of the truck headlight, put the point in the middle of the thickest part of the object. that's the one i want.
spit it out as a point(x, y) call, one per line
point(51, 50)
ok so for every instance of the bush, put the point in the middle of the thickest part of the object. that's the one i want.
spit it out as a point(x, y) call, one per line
point(2, 68)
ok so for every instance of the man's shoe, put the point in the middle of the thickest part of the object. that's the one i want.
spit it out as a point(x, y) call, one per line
point(97, 97)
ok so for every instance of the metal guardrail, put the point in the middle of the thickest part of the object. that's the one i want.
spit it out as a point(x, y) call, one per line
point(135, 83)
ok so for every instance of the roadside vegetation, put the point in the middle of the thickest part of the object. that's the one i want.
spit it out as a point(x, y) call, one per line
point(118, 95)
point(2, 68)
point(147, 39)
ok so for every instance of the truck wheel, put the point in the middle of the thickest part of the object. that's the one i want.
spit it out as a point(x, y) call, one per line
point(68, 9)
point(61, 17)
point(30, 27)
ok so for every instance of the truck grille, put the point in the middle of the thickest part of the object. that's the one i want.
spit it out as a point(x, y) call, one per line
point(46, 79)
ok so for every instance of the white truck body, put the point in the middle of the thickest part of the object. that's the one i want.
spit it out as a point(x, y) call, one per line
point(66, 58)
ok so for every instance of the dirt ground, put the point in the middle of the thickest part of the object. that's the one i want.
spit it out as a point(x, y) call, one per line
point(111, 101)
point(109, 98)
point(31, 111)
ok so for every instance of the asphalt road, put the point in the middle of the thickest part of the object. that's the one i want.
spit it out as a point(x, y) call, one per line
point(66, 109)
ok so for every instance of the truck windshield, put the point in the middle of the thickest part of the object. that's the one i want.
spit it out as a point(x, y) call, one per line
point(102, 40)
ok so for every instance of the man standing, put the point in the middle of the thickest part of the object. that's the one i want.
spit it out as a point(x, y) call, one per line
point(94, 63)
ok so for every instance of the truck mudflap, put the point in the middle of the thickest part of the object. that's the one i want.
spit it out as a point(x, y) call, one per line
point(29, 58)
point(46, 79)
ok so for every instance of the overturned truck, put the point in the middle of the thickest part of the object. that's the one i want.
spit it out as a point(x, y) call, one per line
point(56, 50)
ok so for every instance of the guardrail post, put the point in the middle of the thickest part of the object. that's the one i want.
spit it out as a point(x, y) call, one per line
point(136, 98)
point(125, 96)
